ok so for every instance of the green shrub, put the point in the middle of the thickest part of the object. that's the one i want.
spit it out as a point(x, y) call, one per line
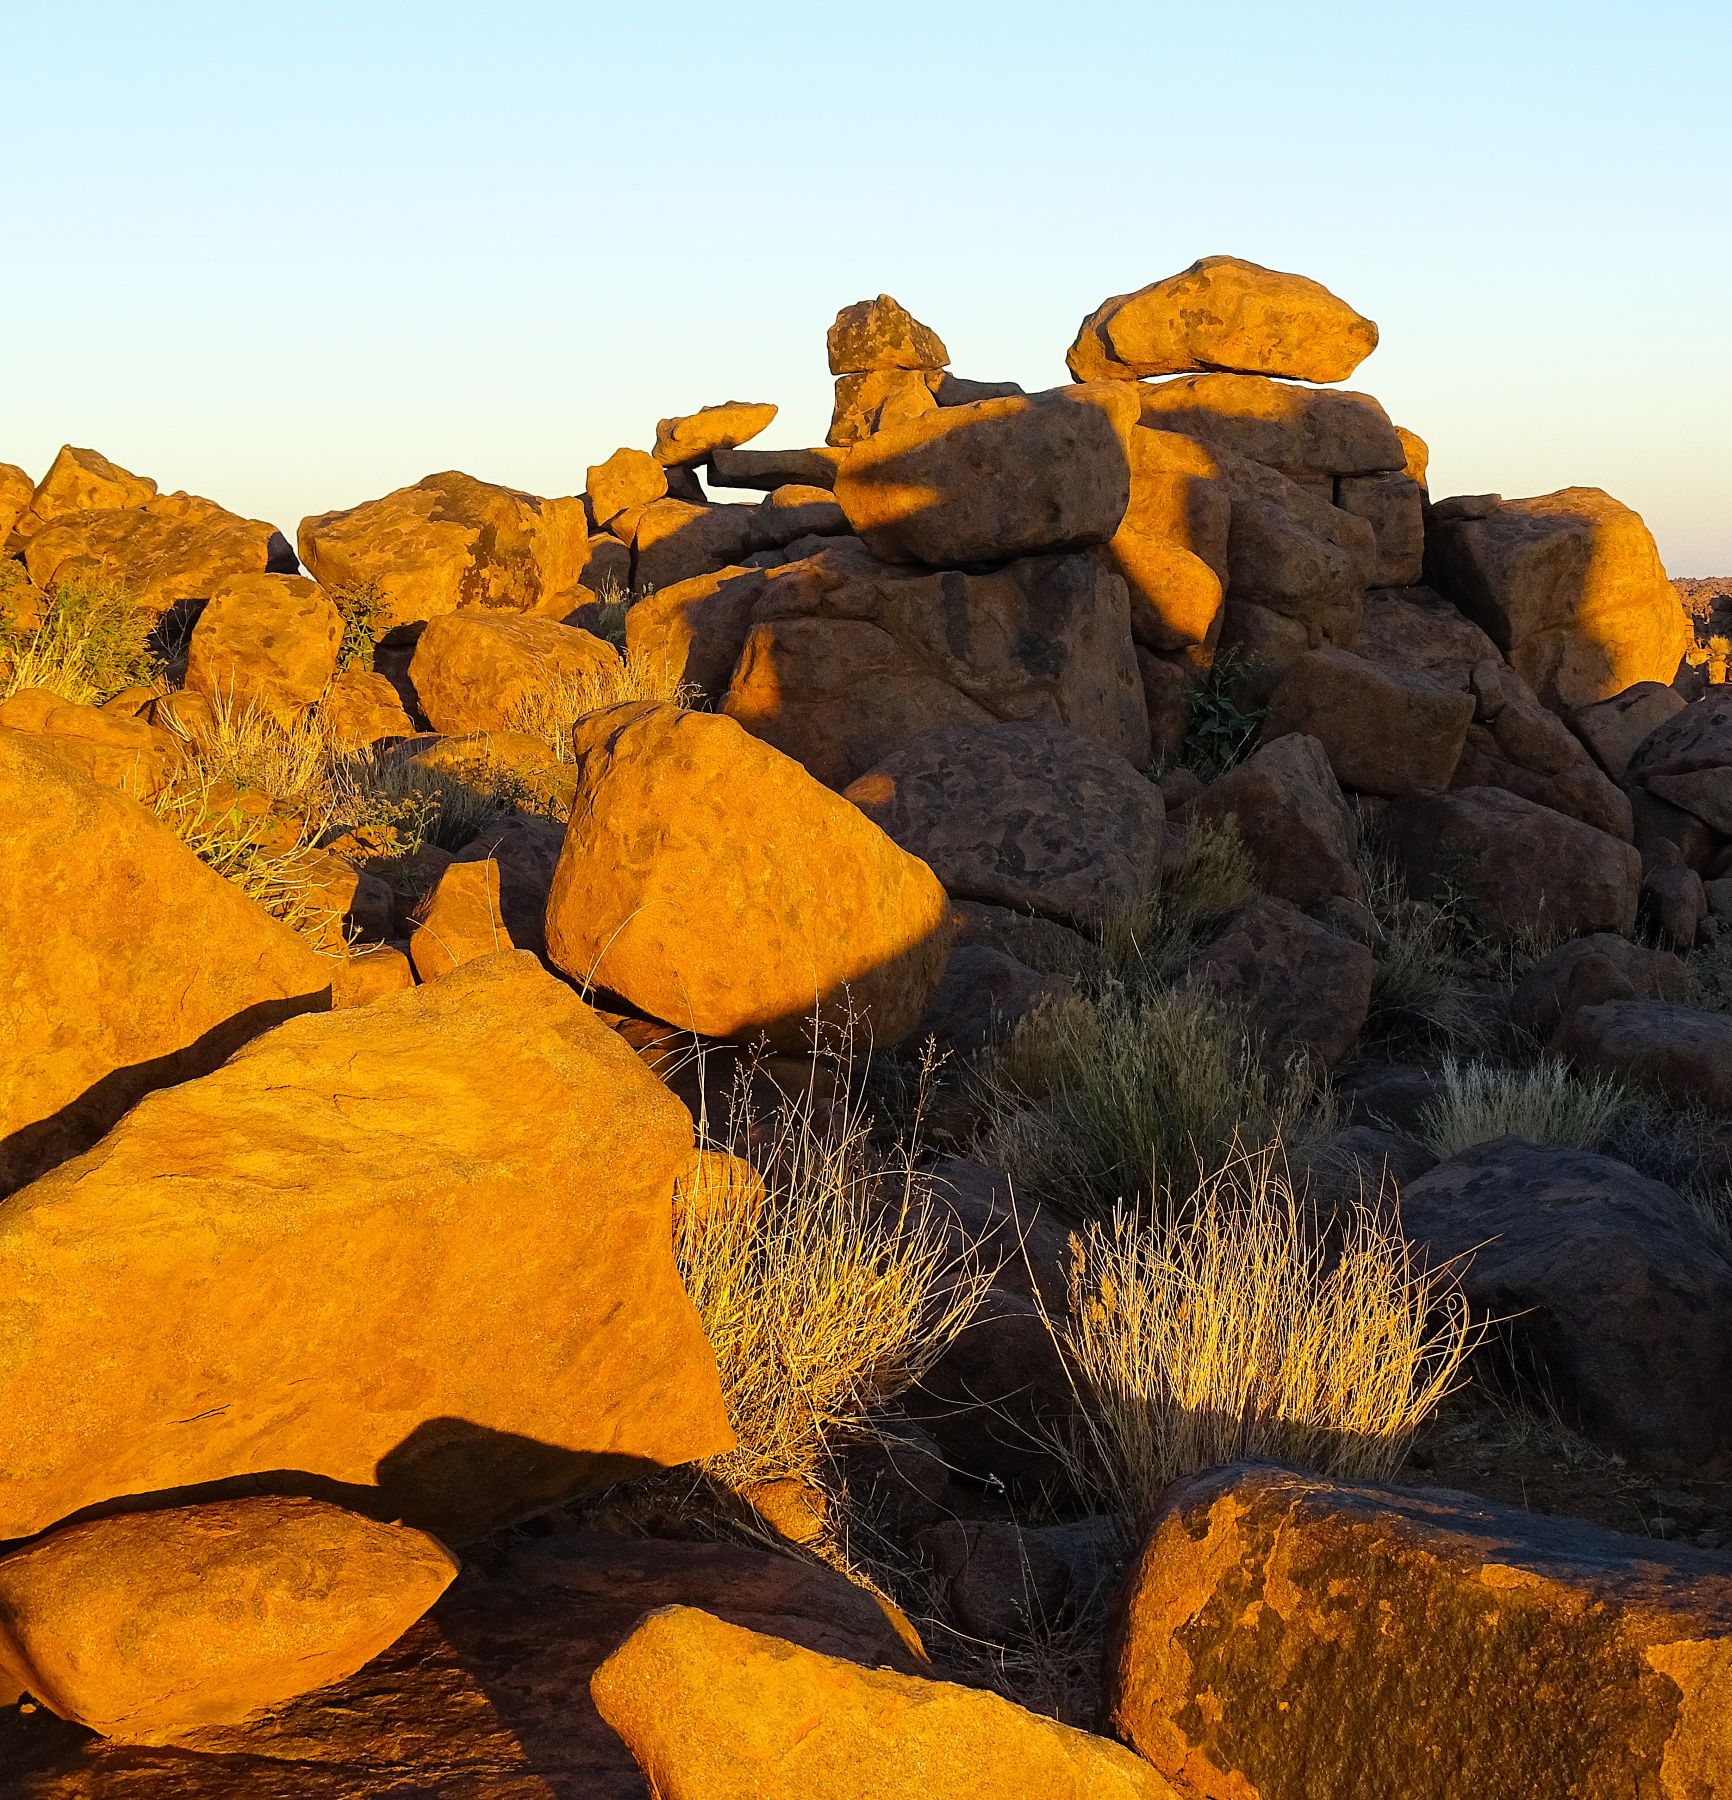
point(90, 642)
point(366, 614)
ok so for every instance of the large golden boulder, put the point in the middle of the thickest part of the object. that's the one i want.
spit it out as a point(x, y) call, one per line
point(1571, 588)
point(421, 1247)
point(1224, 313)
point(715, 1712)
point(452, 542)
point(478, 671)
point(994, 479)
point(80, 481)
point(711, 882)
point(151, 1624)
point(125, 963)
point(265, 641)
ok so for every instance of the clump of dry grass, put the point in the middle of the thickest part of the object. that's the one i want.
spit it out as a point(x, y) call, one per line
point(1131, 1093)
point(288, 761)
point(825, 1297)
point(89, 642)
point(1546, 1103)
point(559, 699)
point(1203, 882)
point(1235, 1327)
point(1421, 994)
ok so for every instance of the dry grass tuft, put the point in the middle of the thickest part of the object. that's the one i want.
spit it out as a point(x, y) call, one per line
point(559, 700)
point(1093, 1100)
point(1234, 1329)
point(1421, 993)
point(1203, 883)
point(89, 643)
point(826, 1297)
point(289, 763)
point(1546, 1103)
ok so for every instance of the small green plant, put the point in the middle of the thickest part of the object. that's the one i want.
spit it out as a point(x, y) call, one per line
point(612, 602)
point(1132, 1094)
point(1236, 1326)
point(366, 614)
point(1547, 1103)
point(1222, 721)
point(90, 642)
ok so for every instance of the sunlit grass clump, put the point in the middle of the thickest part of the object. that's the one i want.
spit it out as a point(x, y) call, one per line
point(558, 699)
point(88, 644)
point(1235, 1327)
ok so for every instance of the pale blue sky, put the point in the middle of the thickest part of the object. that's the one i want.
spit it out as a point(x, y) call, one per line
point(293, 256)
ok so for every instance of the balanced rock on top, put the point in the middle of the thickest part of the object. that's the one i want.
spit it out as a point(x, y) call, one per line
point(1224, 313)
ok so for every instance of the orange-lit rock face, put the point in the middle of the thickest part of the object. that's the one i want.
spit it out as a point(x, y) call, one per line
point(695, 437)
point(1285, 1637)
point(628, 478)
point(1571, 587)
point(715, 1712)
point(710, 881)
point(452, 542)
point(995, 479)
point(1224, 314)
point(882, 334)
point(125, 963)
point(1171, 545)
point(115, 752)
point(421, 1246)
point(81, 481)
point(265, 641)
point(147, 1626)
point(460, 921)
point(16, 487)
point(474, 672)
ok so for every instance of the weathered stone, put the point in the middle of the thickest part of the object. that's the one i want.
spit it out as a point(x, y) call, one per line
point(994, 480)
point(161, 554)
point(1415, 628)
point(1517, 866)
point(1610, 1302)
point(1394, 507)
point(1308, 434)
point(1291, 814)
point(400, 1181)
point(1171, 544)
point(673, 541)
point(374, 971)
point(1570, 587)
point(487, 1697)
point(873, 402)
point(771, 469)
point(983, 994)
point(850, 659)
point(1674, 904)
point(1613, 729)
point(1223, 313)
point(80, 481)
point(478, 671)
point(711, 882)
point(696, 437)
point(1304, 989)
point(694, 630)
point(958, 390)
point(361, 709)
point(1417, 456)
point(16, 488)
point(1002, 1582)
point(1031, 816)
point(606, 564)
point(1383, 732)
point(460, 920)
point(265, 641)
point(1687, 760)
point(882, 334)
point(1286, 1637)
point(453, 543)
point(149, 1625)
point(105, 914)
point(126, 754)
point(1680, 1053)
point(1587, 970)
point(712, 1712)
point(791, 513)
point(627, 479)
point(1169, 685)
point(524, 848)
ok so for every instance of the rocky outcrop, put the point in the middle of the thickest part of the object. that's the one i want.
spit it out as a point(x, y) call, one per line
point(80, 481)
point(1223, 313)
point(453, 543)
point(713, 1712)
point(125, 754)
point(1285, 1637)
point(1310, 435)
point(1569, 586)
point(1610, 1302)
point(1030, 816)
point(849, 659)
point(476, 672)
point(265, 641)
point(1171, 545)
point(153, 1624)
point(696, 437)
point(1587, 970)
point(993, 480)
point(1686, 760)
point(1517, 866)
point(459, 920)
point(1680, 1053)
point(362, 1270)
point(711, 882)
point(882, 334)
point(103, 913)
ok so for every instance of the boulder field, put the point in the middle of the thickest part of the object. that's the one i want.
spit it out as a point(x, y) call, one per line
point(388, 919)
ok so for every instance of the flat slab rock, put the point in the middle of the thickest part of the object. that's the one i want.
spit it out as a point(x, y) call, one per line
point(1290, 1638)
point(487, 1698)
